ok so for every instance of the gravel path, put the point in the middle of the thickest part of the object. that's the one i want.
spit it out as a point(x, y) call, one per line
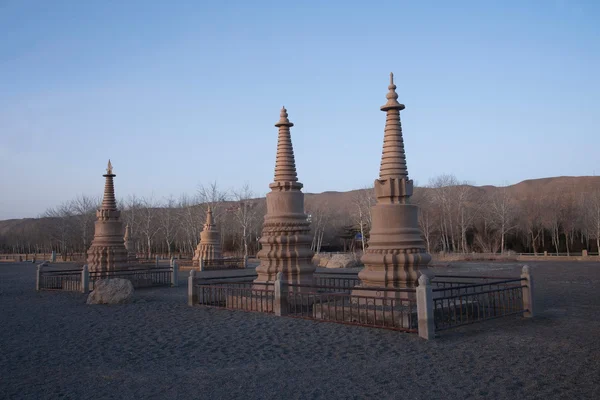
point(52, 345)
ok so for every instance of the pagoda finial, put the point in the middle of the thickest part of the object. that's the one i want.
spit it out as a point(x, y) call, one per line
point(392, 96)
point(109, 168)
point(393, 158)
point(285, 164)
point(283, 118)
point(209, 218)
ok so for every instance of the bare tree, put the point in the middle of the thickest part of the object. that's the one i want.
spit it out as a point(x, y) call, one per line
point(318, 216)
point(62, 226)
point(84, 208)
point(245, 215)
point(552, 218)
point(363, 200)
point(168, 222)
point(486, 237)
point(570, 219)
point(442, 199)
point(468, 206)
point(503, 214)
point(149, 225)
point(422, 198)
point(594, 215)
point(190, 217)
point(531, 219)
point(214, 197)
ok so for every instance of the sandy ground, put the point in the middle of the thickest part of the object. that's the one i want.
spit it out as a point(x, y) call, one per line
point(52, 345)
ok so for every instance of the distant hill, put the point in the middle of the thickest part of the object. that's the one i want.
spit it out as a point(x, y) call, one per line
point(344, 201)
point(336, 214)
point(532, 187)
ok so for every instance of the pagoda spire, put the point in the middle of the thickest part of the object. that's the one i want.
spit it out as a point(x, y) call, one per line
point(108, 201)
point(393, 158)
point(285, 164)
point(209, 224)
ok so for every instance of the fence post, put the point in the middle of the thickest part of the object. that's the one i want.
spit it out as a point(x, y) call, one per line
point(85, 279)
point(192, 289)
point(38, 277)
point(174, 273)
point(156, 261)
point(527, 292)
point(425, 308)
point(201, 264)
point(280, 301)
point(246, 261)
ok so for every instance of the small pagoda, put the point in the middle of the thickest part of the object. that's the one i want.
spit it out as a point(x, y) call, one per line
point(107, 252)
point(286, 240)
point(209, 248)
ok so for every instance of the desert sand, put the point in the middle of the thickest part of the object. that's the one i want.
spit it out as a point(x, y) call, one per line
point(53, 345)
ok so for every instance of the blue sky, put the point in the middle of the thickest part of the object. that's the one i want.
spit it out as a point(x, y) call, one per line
point(182, 93)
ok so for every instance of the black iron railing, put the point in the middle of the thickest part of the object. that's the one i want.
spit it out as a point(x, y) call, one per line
point(65, 279)
point(245, 296)
point(223, 263)
point(336, 280)
point(461, 300)
point(140, 278)
point(375, 307)
point(443, 302)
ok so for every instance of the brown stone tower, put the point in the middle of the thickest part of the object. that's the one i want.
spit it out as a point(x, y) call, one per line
point(286, 236)
point(396, 251)
point(209, 247)
point(129, 245)
point(107, 251)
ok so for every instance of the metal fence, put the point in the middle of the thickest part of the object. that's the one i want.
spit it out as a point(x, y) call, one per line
point(373, 307)
point(82, 280)
point(140, 278)
point(436, 304)
point(237, 296)
point(462, 300)
point(223, 263)
point(336, 279)
point(65, 279)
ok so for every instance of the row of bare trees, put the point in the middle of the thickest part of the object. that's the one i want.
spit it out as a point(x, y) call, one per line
point(165, 226)
point(174, 225)
point(458, 217)
point(453, 215)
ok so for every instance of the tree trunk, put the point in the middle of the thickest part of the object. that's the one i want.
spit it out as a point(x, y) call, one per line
point(502, 240)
